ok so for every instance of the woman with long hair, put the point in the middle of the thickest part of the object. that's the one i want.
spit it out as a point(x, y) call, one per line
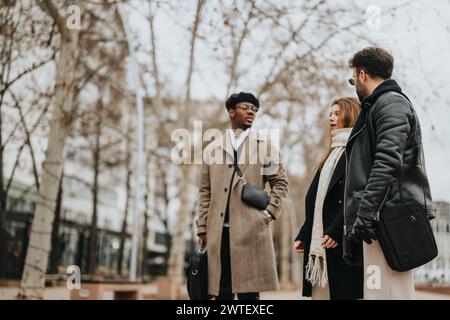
point(325, 274)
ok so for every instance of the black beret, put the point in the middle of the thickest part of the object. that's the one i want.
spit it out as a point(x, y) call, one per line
point(235, 98)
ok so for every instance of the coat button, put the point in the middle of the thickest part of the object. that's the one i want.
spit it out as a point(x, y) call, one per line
point(230, 166)
point(340, 181)
point(226, 189)
point(340, 201)
point(221, 214)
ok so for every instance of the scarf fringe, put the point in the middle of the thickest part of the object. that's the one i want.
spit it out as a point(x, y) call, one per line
point(316, 271)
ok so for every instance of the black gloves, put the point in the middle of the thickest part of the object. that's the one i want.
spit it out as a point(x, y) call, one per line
point(363, 230)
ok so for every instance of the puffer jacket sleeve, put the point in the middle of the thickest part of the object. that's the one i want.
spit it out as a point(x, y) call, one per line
point(392, 118)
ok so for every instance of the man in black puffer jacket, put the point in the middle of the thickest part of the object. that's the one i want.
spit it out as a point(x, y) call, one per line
point(384, 168)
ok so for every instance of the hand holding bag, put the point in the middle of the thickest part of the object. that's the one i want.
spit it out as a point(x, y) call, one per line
point(197, 275)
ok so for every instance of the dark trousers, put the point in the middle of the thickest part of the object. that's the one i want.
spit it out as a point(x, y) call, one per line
point(225, 292)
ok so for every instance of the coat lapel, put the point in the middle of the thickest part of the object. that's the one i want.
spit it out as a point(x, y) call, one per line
point(224, 143)
point(244, 157)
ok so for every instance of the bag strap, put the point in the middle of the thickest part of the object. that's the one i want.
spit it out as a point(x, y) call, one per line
point(236, 166)
point(422, 158)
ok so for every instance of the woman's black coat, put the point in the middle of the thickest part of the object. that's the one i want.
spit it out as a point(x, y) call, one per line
point(345, 282)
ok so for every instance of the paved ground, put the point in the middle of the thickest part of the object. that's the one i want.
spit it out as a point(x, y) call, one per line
point(62, 293)
point(295, 295)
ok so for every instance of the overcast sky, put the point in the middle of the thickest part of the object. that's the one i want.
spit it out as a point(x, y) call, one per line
point(418, 37)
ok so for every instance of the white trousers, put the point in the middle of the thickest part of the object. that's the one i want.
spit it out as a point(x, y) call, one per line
point(380, 281)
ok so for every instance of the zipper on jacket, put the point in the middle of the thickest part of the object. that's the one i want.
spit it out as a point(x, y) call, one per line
point(346, 175)
point(400, 182)
point(382, 203)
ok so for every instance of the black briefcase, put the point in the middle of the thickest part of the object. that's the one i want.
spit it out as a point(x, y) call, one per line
point(197, 275)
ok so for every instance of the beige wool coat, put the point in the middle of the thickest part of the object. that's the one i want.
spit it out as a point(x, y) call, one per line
point(253, 265)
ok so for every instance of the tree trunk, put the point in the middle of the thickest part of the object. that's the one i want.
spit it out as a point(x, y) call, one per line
point(92, 254)
point(56, 243)
point(5, 64)
point(285, 250)
point(178, 248)
point(33, 277)
point(123, 234)
point(164, 218)
point(178, 243)
point(145, 234)
point(3, 234)
point(149, 203)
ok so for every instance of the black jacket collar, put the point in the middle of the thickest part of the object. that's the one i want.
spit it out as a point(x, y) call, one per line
point(385, 86)
point(366, 103)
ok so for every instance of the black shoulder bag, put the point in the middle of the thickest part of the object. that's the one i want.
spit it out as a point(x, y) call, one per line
point(251, 195)
point(197, 275)
point(405, 234)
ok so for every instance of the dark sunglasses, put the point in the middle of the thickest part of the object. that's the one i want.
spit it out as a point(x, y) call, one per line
point(352, 81)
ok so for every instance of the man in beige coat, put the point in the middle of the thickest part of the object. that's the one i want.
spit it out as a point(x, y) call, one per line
point(241, 257)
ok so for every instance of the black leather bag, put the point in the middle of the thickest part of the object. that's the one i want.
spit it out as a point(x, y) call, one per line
point(405, 235)
point(254, 197)
point(197, 275)
point(251, 195)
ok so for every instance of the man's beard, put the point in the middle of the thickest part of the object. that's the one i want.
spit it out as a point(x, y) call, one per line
point(361, 92)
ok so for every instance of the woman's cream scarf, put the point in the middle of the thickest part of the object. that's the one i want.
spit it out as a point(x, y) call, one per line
point(316, 269)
